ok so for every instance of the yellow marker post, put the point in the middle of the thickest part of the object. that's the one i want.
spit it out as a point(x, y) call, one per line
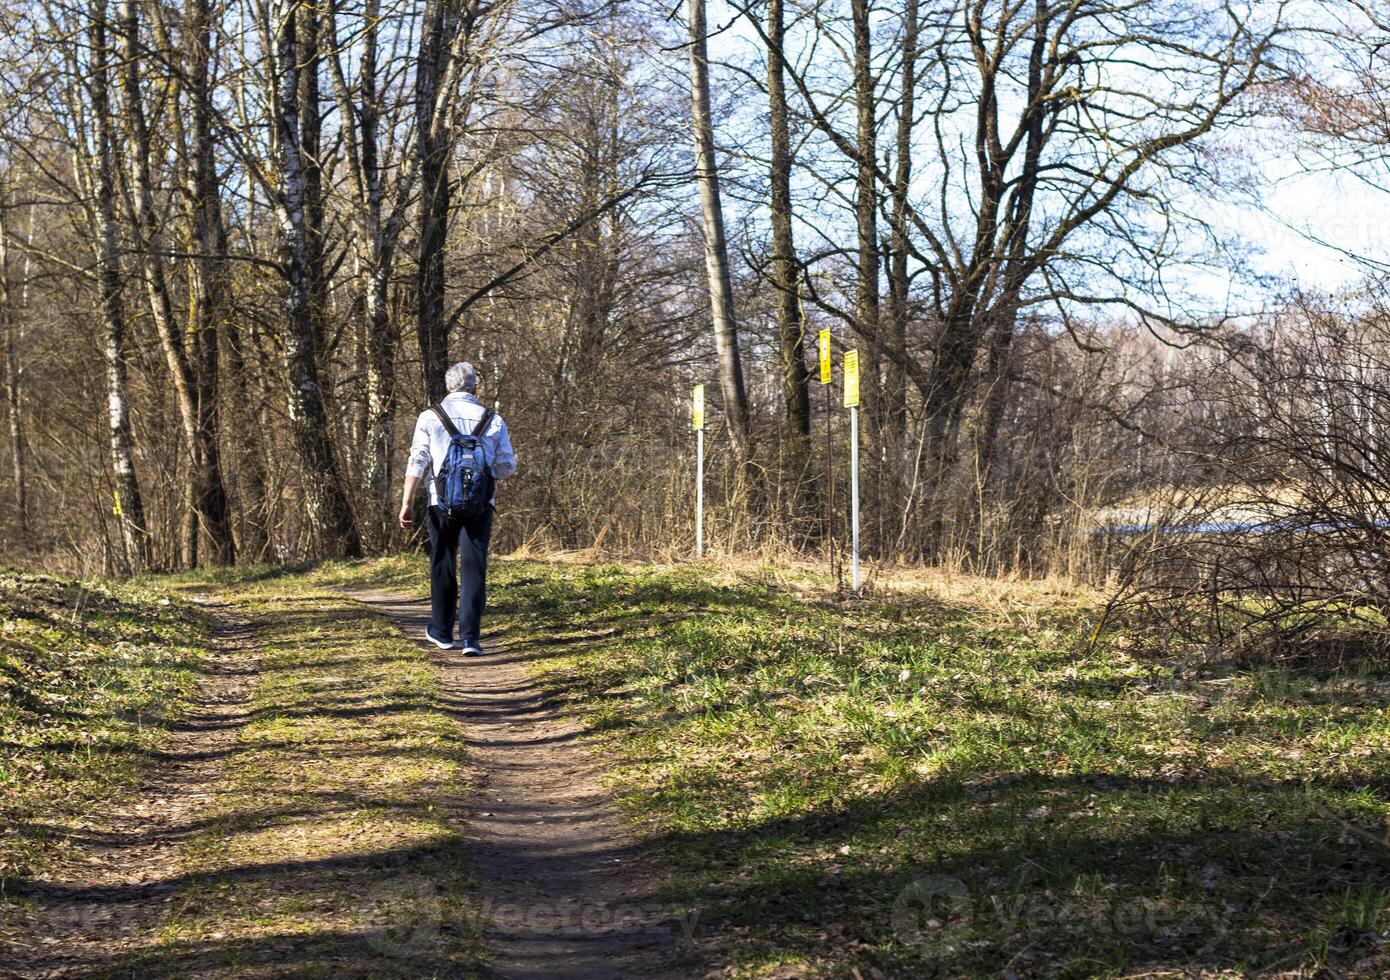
point(826, 376)
point(697, 422)
point(697, 408)
point(851, 368)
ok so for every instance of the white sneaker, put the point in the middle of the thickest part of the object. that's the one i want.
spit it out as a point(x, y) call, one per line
point(442, 644)
point(472, 651)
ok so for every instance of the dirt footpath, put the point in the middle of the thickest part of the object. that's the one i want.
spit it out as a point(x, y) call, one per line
point(562, 888)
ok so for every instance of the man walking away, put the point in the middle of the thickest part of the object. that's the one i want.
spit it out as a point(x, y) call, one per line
point(459, 449)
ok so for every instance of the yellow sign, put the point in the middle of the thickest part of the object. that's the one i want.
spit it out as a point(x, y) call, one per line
point(697, 407)
point(824, 344)
point(851, 378)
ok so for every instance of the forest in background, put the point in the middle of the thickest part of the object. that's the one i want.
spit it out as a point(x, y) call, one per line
point(240, 243)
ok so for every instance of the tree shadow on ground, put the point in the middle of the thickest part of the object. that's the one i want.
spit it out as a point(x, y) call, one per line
point(987, 873)
point(1042, 876)
point(389, 912)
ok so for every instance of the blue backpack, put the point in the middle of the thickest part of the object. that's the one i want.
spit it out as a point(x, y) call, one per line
point(463, 485)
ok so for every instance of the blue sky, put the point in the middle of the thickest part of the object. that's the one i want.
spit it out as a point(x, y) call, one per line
point(1312, 220)
point(1294, 225)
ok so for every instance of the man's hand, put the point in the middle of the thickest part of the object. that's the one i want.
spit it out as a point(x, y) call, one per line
point(412, 483)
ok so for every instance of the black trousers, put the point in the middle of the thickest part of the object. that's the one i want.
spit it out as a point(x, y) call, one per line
point(458, 573)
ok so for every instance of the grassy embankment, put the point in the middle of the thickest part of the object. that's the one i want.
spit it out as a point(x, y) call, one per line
point(951, 780)
point(334, 839)
point(89, 676)
point(812, 776)
point(330, 838)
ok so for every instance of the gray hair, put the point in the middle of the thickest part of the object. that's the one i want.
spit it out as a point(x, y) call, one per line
point(461, 377)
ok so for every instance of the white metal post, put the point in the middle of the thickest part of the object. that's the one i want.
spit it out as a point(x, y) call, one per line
point(854, 491)
point(699, 493)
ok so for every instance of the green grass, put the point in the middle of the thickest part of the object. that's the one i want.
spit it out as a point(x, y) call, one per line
point(952, 781)
point(330, 843)
point(335, 829)
point(948, 780)
point(89, 676)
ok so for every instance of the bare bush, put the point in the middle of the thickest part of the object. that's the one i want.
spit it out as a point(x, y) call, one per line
point(1272, 535)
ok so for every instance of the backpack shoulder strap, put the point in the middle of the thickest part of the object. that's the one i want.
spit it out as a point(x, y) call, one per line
point(483, 423)
point(449, 426)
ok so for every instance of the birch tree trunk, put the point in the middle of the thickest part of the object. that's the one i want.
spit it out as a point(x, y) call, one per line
point(329, 513)
point(721, 293)
point(381, 379)
point(152, 268)
point(128, 505)
point(192, 374)
point(13, 394)
point(146, 225)
point(377, 236)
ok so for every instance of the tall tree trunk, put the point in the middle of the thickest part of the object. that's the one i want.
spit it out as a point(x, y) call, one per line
point(996, 395)
point(866, 305)
point(173, 337)
point(310, 158)
point(377, 237)
point(128, 505)
point(596, 262)
point(1020, 217)
point(208, 510)
point(210, 287)
point(381, 381)
point(13, 394)
point(951, 377)
point(721, 291)
point(253, 507)
point(791, 328)
point(328, 508)
point(899, 284)
point(152, 267)
point(14, 403)
point(436, 29)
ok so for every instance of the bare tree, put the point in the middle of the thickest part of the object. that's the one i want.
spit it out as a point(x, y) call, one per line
point(721, 290)
point(1271, 538)
point(379, 218)
point(447, 31)
point(9, 321)
point(786, 276)
point(128, 504)
point(866, 300)
point(209, 300)
point(328, 508)
point(893, 414)
point(192, 363)
point(438, 28)
point(1070, 133)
